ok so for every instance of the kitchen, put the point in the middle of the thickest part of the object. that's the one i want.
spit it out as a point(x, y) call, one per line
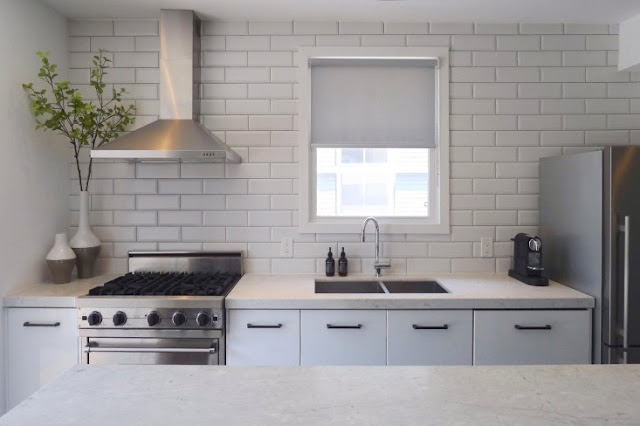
point(539, 83)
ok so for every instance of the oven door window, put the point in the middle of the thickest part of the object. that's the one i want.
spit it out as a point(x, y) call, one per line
point(136, 351)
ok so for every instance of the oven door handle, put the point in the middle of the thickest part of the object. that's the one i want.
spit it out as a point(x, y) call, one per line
point(92, 348)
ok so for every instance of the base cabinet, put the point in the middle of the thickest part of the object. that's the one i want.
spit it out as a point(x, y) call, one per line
point(343, 337)
point(532, 337)
point(429, 337)
point(263, 337)
point(41, 343)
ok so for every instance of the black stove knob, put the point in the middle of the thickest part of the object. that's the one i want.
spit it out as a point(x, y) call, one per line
point(202, 319)
point(94, 318)
point(153, 318)
point(178, 318)
point(119, 318)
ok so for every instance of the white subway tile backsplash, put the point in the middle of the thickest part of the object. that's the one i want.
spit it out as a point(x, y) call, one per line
point(360, 28)
point(518, 42)
point(136, 27)
point(450, 28)
point(518, 92)
point(537, 59)
point(147, 218)
point(383, 40)
point(473, 42)
point(135, 59)
point(588, 58)
point(539, 28)
point(271, 27)
point(406, 28)
point(157, 202)
point(493, 59)
point(517, 138)
point(91, 27)
point(315, 27)
point(586, 29)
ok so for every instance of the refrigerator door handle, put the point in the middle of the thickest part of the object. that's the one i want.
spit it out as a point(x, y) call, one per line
point(625, 303)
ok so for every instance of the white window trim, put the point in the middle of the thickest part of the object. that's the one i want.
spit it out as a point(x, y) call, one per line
point(438, 223)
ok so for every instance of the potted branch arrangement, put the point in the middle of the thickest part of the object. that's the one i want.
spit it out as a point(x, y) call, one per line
point(59, 107)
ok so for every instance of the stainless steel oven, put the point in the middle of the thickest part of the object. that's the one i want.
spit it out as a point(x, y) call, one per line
point(169, 309)
point(153, 347)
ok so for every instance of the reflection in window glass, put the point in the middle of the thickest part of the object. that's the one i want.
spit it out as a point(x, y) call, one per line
point(392, 182)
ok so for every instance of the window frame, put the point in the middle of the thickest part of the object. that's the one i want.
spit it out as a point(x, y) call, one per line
point(438, 222)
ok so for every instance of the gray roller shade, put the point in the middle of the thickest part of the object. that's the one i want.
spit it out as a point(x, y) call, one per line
point(373, 102)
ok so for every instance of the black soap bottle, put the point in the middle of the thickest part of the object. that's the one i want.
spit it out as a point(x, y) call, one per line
point(330, 264)
point(342, 264)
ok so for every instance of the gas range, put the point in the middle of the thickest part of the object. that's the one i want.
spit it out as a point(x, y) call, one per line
point(167, 300)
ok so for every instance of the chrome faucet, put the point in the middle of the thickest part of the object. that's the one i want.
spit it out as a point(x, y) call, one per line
point(378, 264)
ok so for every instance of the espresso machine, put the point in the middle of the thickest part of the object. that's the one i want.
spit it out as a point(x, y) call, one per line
point(527, 260)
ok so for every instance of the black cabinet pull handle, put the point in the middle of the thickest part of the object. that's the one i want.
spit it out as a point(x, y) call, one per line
point(249, 325)
point(430, 327)
point(532, 327)
point(36, 324)
point(344, 326)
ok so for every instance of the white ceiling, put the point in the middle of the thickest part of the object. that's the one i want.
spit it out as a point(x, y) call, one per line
point(604, 11)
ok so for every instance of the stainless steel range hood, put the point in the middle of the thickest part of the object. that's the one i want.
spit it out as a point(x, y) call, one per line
point(178, 134)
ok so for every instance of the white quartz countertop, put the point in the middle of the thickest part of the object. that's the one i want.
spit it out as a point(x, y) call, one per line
point(208, 395)
point(48, 295)
point(466, 291)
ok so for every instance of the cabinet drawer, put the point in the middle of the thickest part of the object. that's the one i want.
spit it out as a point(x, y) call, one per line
point(532, 337)
point(343, 337)
point(41, 343)
point(429, 337)
point(263, 337)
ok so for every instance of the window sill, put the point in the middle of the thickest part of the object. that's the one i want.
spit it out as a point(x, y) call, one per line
point(387, 226)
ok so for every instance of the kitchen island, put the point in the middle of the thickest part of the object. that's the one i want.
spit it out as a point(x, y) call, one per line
point(205, 395)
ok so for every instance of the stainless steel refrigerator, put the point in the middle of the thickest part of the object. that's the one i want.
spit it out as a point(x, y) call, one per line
point(590, 229)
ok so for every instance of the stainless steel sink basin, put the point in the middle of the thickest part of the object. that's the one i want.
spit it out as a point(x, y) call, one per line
point(425, 286)
point(348, 287)
point(414, 287)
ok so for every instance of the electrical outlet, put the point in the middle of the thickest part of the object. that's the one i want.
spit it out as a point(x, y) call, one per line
point(286, 247)
point(486, 247)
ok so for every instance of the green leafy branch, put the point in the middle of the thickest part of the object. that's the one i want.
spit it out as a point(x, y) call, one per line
point(60, 108)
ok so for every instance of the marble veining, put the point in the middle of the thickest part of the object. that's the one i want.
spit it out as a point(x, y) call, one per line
point(206, 395)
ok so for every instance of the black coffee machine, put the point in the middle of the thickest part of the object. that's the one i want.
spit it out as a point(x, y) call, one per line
point(527, 260)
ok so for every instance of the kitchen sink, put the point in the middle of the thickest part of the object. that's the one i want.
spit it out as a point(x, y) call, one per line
point(414, 287)
point(348, 287)
point(425, 286)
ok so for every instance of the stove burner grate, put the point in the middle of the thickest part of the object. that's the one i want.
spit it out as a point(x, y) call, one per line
point(167, 284)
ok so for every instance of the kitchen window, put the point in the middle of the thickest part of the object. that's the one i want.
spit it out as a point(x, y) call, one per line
point(375, 138)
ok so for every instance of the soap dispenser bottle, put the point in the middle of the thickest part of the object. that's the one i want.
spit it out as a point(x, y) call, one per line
point(330, 264)
point(342, 264)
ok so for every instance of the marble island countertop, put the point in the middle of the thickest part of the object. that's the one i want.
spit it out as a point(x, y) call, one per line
point(206, 395)
point(466, 291)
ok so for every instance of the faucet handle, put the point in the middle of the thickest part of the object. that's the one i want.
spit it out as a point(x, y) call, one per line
point(382, 264)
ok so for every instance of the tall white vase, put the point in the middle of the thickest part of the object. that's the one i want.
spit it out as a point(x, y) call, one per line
point(85, 244)
point(61, 260)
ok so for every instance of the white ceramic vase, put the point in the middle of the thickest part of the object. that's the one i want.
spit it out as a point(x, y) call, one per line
point(85, 244)
point(61, 260)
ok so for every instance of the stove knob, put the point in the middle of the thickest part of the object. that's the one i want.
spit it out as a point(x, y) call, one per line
point(153, 318)
point(202, 319)
point(119, 318)
point(178, 318)
point(94, 318)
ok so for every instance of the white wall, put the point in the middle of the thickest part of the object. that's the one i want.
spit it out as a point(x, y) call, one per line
point(630, 45)
point(33, 167)
point(518, 92)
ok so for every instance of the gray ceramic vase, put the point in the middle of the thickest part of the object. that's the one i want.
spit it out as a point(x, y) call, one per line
point(85, 244)
point(61, 260)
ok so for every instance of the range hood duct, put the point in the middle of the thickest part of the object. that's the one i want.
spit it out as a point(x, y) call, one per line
point(178, 135)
